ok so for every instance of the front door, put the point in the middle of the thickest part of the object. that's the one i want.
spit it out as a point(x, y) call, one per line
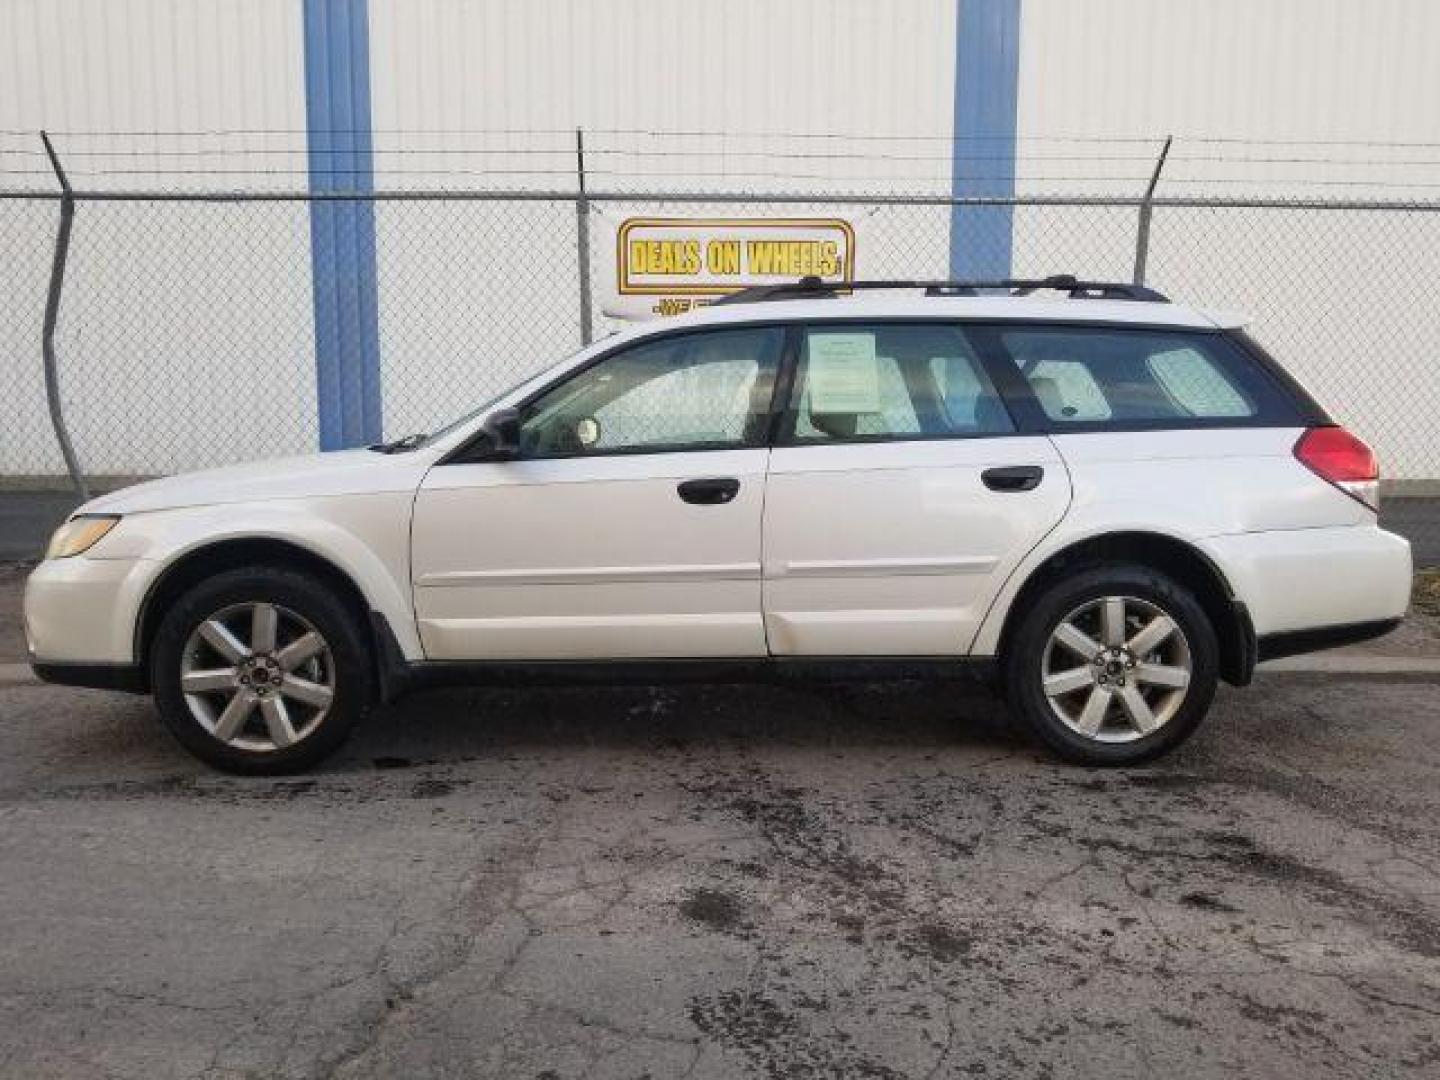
point(900, 495)
point(628, 525)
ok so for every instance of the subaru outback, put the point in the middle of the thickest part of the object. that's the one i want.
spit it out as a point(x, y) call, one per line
point(1106, 501)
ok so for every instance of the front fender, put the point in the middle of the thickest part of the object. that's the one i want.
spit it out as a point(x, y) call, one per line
point(365, 537)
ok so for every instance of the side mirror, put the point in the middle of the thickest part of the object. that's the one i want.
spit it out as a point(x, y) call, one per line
point(502, 435)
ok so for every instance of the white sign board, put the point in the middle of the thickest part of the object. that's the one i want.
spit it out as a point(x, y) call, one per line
point(667, 266)
point(843, 373)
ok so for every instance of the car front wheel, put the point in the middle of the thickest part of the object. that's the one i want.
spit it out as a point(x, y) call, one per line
point(1113, 666)
point(260, 670)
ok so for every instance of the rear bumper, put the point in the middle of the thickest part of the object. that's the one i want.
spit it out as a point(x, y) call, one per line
point(1330, 585)
point(1294, 642)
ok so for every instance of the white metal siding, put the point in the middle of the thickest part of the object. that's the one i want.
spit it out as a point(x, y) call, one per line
point(489, 95)
point(460, 87)
point(155, 294)
point(141, 66)
point(849, 66)
point(1278, 69)
point(1282, 99)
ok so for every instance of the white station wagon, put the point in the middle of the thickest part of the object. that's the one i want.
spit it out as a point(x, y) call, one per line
point(1108, 501)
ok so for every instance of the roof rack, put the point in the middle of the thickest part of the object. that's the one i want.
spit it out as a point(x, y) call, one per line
point(813, 288)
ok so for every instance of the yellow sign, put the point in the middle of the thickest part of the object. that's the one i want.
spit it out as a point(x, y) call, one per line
point(665, 266)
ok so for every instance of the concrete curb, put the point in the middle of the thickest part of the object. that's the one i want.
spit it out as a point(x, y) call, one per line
point(16, 673)
point(1353, 665)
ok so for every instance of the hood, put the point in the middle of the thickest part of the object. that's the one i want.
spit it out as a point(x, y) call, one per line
point(344, 472)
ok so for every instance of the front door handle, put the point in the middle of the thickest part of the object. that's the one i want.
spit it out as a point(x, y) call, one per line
point(1013, 478)
point(711, 491)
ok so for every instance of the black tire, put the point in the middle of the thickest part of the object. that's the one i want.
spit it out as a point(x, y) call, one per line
point(1025, 653)
point(301, 594)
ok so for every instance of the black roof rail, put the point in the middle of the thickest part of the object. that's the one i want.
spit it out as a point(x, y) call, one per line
point(813, 288)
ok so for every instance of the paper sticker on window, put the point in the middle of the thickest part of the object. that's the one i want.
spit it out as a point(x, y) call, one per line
point(844, 375)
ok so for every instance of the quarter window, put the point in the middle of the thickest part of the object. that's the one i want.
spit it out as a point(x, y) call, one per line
point(702, 391)
point(892, 381)
point(1195, 384)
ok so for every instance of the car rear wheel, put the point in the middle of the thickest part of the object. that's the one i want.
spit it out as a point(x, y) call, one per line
point(1113, 666)
point(260, 670)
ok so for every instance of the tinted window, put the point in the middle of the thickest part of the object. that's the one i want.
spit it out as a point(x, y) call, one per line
point(892, 381)
point(1196, 384)
point(693, 392)
point(1066, 388)
point(1087, 375)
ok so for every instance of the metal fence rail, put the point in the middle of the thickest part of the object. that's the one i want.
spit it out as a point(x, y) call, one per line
point(146, 332)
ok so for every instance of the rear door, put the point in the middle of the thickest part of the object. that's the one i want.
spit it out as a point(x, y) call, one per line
point(1165, 427)
point(900, 494)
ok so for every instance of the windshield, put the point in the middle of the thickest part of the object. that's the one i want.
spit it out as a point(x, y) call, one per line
point(416, 442)
point(480, 410)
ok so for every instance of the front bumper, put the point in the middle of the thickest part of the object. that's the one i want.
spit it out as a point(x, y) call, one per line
point(83, 611)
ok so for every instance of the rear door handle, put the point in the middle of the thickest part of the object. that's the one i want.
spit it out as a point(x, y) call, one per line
point(1013, 478)
point(711, 491)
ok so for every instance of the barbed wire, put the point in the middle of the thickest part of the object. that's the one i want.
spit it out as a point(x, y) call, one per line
point(388, 157)
point(731, 134)
point(1175, 158)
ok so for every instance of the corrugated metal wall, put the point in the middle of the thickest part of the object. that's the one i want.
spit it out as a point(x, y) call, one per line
point(851, 66)
point(1359, 71)
point(1336, 99)
point(1255, 69)
point(153, 93)
point(135, 67)
point(1285, 97)
point(749, 95)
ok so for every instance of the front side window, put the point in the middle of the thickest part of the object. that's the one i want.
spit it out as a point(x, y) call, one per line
point(704, 391)
point(1082, 375)
point(861, 382)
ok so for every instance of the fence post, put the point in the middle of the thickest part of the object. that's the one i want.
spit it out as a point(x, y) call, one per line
point(582, 236)
point(1147, 207)
point(52, 316)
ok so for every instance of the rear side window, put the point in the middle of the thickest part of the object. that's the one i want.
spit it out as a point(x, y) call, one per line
point(1104, 376)
point(887, 381)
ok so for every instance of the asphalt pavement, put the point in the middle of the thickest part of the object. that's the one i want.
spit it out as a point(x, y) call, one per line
point(855, 881)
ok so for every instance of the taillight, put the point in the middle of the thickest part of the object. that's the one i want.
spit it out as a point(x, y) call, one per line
point(1333, 454)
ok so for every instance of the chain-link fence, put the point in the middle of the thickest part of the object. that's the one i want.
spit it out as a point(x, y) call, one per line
point(185, 331)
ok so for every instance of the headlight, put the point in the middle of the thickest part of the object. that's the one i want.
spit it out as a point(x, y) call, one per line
point(80, 534)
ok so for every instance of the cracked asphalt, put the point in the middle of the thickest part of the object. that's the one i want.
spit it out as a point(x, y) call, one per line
point(778, 882)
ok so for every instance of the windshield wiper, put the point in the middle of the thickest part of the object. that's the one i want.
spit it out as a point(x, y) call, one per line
point(400, 445)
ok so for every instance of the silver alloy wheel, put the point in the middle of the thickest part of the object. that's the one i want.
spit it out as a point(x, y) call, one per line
point(1116, 669)
point(257, 676)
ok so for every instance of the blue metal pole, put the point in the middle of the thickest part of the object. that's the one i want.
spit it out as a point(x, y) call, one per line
point(987, 70)
point(342, 232)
